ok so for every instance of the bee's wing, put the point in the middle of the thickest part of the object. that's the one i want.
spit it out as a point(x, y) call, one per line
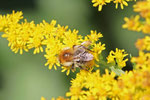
point(81, 54)
point(79, 51)
point(86, 57)
point(83, 57)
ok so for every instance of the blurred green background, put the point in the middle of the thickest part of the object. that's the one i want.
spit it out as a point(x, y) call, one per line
point(24, 77)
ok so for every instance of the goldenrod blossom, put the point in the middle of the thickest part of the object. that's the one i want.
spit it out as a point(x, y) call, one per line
point(136, 23)
point(133, 85)
point(9, 19)
point(52, 38)
point(59, 98)
point(23, 36)
point(143, 44)
point(142, 61)
point(132, 23)
point(139, 77)
point(122, 2)
point(94, 36)
point(91, 85)
point(143, 8)
point(117, 57)
point(101, 3)
point(42, 98)
point(97, 49)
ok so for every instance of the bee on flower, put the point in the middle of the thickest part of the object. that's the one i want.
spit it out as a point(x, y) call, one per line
point(77, 56)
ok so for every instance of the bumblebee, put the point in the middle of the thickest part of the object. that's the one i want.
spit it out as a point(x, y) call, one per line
point(77, 56)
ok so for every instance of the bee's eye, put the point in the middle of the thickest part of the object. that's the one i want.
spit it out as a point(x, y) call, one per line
point(67, 55)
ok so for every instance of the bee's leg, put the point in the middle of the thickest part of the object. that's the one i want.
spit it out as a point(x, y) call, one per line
point(83, 68)
point(73, 46)
point(72, 67)
point(89, 50)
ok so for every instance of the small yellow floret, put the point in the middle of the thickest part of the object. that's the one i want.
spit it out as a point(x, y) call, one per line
point(117, 57)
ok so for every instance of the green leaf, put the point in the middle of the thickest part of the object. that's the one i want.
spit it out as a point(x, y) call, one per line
point(117, 71)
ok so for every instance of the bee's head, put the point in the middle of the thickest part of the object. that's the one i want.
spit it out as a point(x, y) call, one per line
point(66, 57)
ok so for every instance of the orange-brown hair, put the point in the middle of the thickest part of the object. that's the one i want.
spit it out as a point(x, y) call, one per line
point(66, 55)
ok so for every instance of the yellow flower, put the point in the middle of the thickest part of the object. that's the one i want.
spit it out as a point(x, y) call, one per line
point(143, 8)
point(140, 44)
point(61, 30)
point(130, 85)
point(97, 49)
point(147, 43)
point(122, 2)
point(117, 57)
point(143, 44)
point(89, 96)
point(142, 61)
point(42, 98)
point(52, 59)
point(92, 86)
point(75, 93)
point(111, 57)
point(91, 79)
point(146, 28)
point(71, 38)
point(46, 37)
point(35, 40)
point(48, 28)
point(132, 23)
point(136, 84)
point(9, 19)
point(94, 36)
point(100, 3)
point(60, 98)
point(145, 97)
point(66, 68)
point(18, 36)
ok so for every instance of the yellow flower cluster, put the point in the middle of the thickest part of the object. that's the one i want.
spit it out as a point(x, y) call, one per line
point(101, 3)
point(24, 35)
point(142, 61)
point(133, 85)
point(91, 86)
point(59, 98)
point(117, 57)
point(143, 44)
point(132, 23)
point(52, 38)
point(135, 24)
point(143, 8)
